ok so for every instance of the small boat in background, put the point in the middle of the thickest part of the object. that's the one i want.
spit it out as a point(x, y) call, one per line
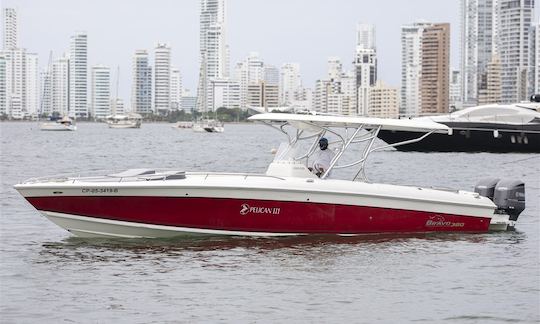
point(131, 120)
point(208, 126)
point(58, 124)
point(183, 124)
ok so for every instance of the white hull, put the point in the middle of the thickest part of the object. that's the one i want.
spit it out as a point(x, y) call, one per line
point(57, 127)
point(121, 126)
point(92, 227)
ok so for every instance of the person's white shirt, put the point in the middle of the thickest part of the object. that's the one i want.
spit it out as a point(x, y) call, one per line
point(321, 160)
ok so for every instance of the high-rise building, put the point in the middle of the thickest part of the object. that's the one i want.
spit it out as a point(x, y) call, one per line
point(365, 63)
point(455, 90)
point(365, 36)
point(411, 68)
point(515, 17)
point(189, 101)
point(534, 64)
point(78, 75)
point(337, 93)
point(32, 84)
point(490, 92)
point(141, 87)
point(3, 86)
point(101, 92)
point(435, 76)
point(45, 102)
point(271, 75)
point(383, 101)
point(476, 46)
point(11, 32)
point(59, 79)
point(263, 95)
point(162, 79)
point(224, 93)
point(214, 51)
point(117, 106)
point(250, 71)
point(290, 83)
point(176, 89)
point(15, 82)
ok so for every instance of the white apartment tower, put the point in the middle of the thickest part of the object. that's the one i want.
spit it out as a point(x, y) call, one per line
point(162, 79)
point(337, 93)
point(101, 92)
point(214, 53)
point(411, 68)
point(248, 72)
point(477, 45)
point(365, 63)
point(141, 87)
point(32, 84)
point(176, 89)
point(290, 83)
point(11, 32)
point(3, 85)
point(271, 75)
point(78, 78)
point(223, 93)
point(534, 64)
point(515, 18)
point(16, 84)
point(59, 79)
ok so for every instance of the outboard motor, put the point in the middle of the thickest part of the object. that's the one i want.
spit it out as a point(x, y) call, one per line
point(509, 197)
point(486, 187)
point(507, 194)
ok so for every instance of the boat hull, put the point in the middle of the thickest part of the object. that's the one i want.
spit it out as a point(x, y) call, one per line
point(467, 140)
point(57, 127)
point(144, 216)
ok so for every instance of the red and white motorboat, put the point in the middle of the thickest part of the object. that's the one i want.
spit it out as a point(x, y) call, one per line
point(287, 200)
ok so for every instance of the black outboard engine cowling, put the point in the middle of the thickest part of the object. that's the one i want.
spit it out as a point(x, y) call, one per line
point(509, 197)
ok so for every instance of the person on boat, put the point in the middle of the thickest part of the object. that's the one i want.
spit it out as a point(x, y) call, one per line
point(322, 158)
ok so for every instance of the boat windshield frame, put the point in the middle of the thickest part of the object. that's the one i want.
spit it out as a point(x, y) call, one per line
point(344, 141)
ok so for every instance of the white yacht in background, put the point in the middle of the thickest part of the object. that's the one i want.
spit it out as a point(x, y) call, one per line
point(288, 199)
point(59, 124)
point(486, 128)
point(131, 120)
point(208, 126)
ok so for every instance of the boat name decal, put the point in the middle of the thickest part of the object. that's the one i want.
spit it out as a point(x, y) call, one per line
point(246, 209)
point(99, 190)
point(439, 221)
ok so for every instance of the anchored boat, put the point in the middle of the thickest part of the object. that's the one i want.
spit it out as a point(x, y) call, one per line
point(288, 199)
point(58, 124)
point(487, 128)
point(131, 120)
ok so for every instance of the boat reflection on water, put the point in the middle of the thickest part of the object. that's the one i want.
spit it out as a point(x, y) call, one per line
point(70, 247)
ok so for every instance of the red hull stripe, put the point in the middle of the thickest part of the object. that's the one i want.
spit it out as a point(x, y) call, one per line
point(259, 215)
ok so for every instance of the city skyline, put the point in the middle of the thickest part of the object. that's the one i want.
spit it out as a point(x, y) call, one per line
point(337, 39)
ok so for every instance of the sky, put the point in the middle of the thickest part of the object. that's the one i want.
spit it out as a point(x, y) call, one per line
point(281, 31)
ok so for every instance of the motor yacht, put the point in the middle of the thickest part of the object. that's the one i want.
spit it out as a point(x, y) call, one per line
point(59, 124)
point(131, 120)
point(288, 199)
point(208, 126)
point(487, 128)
